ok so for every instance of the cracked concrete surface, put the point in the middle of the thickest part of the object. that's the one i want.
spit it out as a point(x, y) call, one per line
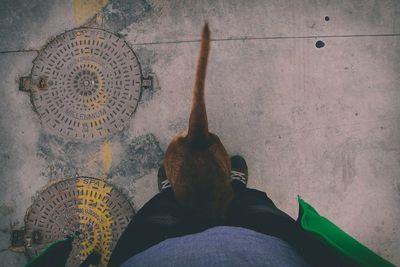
point(323, 123)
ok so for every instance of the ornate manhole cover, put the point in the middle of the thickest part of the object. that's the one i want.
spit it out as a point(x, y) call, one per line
point(92, 210)
point(86, 84)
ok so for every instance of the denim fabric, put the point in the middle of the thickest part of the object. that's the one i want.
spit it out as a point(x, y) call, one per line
point(220, 246)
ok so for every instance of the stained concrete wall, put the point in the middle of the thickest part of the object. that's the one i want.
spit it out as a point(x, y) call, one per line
point(322, 123)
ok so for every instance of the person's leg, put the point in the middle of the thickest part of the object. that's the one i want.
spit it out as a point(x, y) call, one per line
point(159, 219)
point(253, 209)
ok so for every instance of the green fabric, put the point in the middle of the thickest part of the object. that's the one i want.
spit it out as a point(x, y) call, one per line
point(55, 254)
point(314, 223)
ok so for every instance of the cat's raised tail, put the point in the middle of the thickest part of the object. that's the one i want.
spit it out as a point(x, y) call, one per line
point(198, 124)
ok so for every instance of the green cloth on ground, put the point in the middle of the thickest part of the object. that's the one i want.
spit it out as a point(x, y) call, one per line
point(53, 255)
point(335, 237)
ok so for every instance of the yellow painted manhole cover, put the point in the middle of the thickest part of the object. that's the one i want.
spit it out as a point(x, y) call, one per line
point(91, 209)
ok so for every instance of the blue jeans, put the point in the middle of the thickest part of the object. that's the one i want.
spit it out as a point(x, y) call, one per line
point(221, 246)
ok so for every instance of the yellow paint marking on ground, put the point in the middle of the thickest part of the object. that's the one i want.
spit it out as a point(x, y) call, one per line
point(95, 217)
point(98, 101)
point(101, 95)
point(99, 163)
point(86, 9)
point(106, 157)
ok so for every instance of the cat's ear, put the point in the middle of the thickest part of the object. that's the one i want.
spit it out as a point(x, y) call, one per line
point(198, 124)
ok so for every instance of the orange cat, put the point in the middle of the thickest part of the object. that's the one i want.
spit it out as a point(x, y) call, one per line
point(196, 163)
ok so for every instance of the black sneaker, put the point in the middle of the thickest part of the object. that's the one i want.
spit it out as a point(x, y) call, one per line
point(163, 182)
point(239, 169)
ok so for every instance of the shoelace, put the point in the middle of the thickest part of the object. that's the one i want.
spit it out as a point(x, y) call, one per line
point(165, 184)
point(241, 176)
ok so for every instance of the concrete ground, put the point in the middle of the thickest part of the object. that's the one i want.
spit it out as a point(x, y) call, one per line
point(322, 123)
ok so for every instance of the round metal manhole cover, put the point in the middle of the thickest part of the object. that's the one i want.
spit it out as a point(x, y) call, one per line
point(86, 84)
point(90, 209)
